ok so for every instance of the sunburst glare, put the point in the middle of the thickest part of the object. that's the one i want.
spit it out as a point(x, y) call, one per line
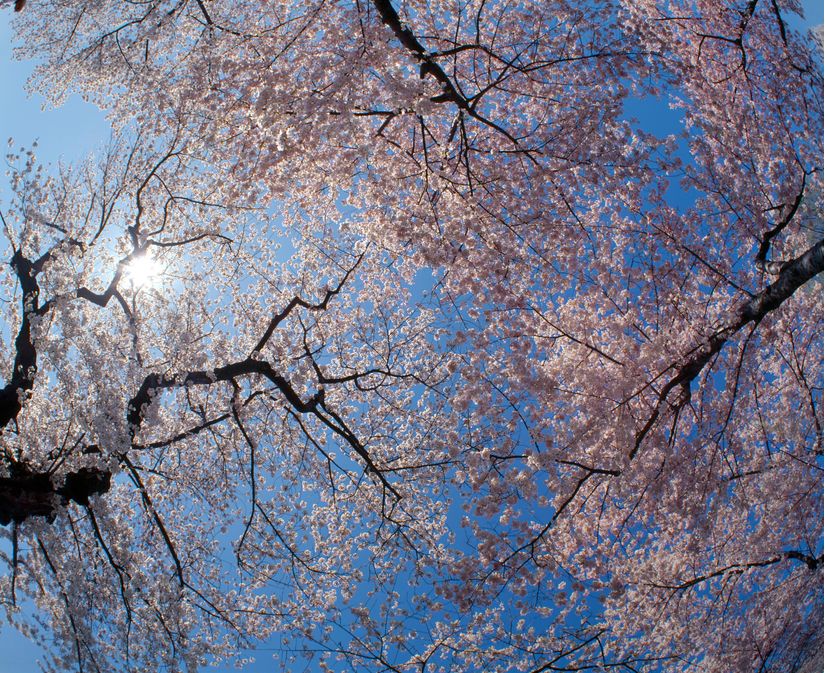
point(142, 270)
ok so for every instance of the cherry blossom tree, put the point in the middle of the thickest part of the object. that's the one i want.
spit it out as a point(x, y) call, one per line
point(446, 360)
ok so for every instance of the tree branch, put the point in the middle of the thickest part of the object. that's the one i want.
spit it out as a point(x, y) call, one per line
point(24, 368)
point(298, 301)
point(762, 254)
point(794, 274)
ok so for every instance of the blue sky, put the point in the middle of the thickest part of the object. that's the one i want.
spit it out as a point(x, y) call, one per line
point(67, 134)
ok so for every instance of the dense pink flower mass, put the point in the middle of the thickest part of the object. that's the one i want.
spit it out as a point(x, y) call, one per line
point(383, 331)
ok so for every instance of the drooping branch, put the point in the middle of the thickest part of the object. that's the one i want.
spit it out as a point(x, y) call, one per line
point(78, 639)
point(150, 508)
point(191, 432)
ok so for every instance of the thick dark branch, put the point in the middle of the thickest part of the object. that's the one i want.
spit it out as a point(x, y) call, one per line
point(429, 66)
point(793, 276)
point(796, 273)
point(747, 15)
point(206, 16)
point(407, 38)
point(592, 470)
point(739, 568)
point(734, 568)
point(101, 298)
point(810, 561)
point(25, 358)
point(780, 22)
point(335, 423)
point(762, 254)
point(24, 368)
point(26, 493)
point(154, 383)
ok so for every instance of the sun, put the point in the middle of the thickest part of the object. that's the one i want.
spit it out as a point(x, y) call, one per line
point(142, 270)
